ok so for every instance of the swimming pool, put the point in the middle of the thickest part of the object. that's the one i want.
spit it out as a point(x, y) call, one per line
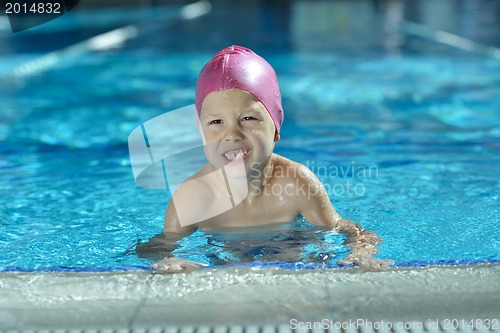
point(402, 130)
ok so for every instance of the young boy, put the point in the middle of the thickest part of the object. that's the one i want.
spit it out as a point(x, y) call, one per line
point(244, 183)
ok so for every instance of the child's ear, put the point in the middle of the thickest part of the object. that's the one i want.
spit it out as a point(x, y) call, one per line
point(276, 137)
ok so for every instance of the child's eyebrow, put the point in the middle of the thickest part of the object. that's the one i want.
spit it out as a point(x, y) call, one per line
point(215, 115)
point(250, 112)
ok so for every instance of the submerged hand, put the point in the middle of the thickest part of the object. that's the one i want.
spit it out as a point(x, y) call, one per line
point(367, 263)
point(175, 265)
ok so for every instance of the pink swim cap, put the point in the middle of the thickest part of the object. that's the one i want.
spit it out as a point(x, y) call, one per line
point(239, 67)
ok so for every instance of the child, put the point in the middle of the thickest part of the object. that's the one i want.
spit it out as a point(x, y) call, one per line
point(244, 184)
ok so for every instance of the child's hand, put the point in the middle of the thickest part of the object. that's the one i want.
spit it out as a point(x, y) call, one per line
point(367, 263)
point(175, 265)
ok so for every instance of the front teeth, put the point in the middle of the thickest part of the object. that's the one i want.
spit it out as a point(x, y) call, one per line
point(234, 154)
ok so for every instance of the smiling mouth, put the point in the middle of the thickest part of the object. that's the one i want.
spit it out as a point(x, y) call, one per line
point(235, 154)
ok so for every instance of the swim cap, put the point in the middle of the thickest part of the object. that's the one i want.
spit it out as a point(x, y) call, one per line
point(239, 67)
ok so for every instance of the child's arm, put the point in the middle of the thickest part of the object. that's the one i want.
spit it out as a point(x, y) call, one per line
point(161, 246)
point(363, 244)
point(317, 209)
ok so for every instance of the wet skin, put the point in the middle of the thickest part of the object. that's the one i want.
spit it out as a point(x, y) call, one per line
point(239, 131)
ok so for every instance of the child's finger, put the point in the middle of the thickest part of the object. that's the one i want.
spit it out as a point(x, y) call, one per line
point(175, 265)
point(345, 262)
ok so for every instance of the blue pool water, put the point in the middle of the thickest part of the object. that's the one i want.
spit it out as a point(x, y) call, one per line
point(406, 139)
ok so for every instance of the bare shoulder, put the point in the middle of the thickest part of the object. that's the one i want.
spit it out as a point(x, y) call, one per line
point(299, 180)
point(285, 164)
point(292, 171)
point(308, 193)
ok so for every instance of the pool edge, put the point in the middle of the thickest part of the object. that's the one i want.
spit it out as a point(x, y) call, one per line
point(243, 296)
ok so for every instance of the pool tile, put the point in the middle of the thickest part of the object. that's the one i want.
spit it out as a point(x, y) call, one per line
point(79, 315)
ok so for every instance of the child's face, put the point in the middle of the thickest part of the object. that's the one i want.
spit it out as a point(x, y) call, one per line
point(236, 126)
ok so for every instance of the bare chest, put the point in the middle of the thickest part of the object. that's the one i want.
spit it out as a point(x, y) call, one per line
point(265, 209)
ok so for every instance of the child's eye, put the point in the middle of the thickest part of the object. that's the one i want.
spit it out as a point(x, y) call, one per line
point(215, 122)
point(249, 118)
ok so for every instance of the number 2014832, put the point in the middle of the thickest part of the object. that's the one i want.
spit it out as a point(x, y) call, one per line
point(474, 324)
point(33, 8)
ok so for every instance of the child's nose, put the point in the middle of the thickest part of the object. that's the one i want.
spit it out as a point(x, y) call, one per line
point(233, 133)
